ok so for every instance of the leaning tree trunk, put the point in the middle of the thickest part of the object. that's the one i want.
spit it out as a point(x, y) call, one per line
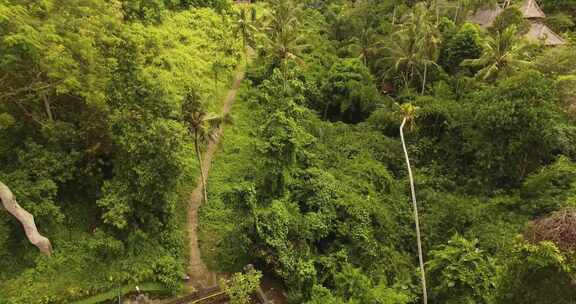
point(416, 220)
point(26, 219)
point(424, 78)
point(47, 107)
point(199, 156)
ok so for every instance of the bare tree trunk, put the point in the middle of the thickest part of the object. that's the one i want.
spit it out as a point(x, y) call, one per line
point(424, 78)
point(47, 107)
point(26, 219)
point(245, 47)
point(416, 218)
point(457, 12)
point(437, 12)
point(201, 164)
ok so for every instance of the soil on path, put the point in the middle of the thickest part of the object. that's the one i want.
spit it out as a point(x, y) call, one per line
point(200, 276)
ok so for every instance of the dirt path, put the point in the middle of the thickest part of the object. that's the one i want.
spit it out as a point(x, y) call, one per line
point(200, 276)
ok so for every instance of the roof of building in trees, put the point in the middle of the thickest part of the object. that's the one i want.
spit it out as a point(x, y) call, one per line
point(540, 32)
point(486, 16)
point(530, 9)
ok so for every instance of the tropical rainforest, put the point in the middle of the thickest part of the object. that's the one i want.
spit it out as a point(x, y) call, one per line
point(378, 151)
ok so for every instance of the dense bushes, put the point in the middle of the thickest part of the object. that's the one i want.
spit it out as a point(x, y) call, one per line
point(320, 183)
point(93, 143)
point(311, 185)
point(154, 11)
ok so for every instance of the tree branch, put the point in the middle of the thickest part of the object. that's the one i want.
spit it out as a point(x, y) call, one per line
point(26, 219)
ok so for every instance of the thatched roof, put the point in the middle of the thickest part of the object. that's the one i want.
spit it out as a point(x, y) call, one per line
point(560, 228)
point(486, 16)
point(531, 9)
point(540, 32)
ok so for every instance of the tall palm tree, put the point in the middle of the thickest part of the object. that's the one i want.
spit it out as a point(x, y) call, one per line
point(218, 67)
point(409, 113)
point(402, 57)
point(246, 28)
point(202, 125)
point(428, 39)
point(285, 39)
point(414, 47)
point(501, 55)
point(366, 44)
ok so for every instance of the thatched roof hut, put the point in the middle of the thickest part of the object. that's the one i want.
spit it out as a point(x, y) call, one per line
point(559, 228)
point(531, 10)
point(486, 16)
point(540, 32)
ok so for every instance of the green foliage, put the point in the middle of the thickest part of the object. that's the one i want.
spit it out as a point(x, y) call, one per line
point(550, 189)
point(241, 286)
point(284, 39)
point(413, 48)
point(561, 22)
point(500, 135)
point(99, 99)
point(349, 92)
point(516, 117)
point(354, 287)
point(4, 236)
point(155, 11)
point(145, 10)
point(460, 272)
point(93, 142)
point(557, 62)
point(323, 205)
point(536, 273)
point(246, 27)
point(502, 55)
point(465, 44)
point(510, 17)
point(565, 6)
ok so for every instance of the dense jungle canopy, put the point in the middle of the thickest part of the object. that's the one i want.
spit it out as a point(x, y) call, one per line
point(108, 109)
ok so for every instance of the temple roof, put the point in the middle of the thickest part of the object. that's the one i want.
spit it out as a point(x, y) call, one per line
point(540, 32)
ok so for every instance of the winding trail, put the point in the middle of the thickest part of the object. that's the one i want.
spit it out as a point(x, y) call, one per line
point(200, 276)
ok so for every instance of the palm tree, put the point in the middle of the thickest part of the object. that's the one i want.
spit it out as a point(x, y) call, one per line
point(246, 28)
point(367, 44)
point(409, 113)
point(218, 66)
point(428, 40)
point(414, 47)
point(501, 55)
point(402, 54)
point(284, 35)
point(202, 125)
